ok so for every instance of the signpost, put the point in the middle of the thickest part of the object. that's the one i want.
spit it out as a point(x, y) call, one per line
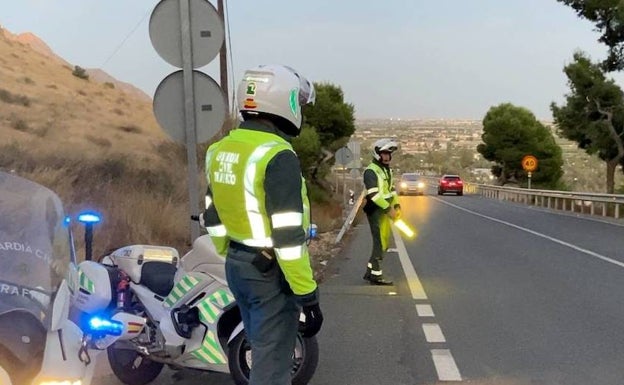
point(343, 157)
point(188, 34)
point(529, 164)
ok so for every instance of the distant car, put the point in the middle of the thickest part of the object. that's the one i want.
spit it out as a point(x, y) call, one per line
point(450, 184)
point(411, 183)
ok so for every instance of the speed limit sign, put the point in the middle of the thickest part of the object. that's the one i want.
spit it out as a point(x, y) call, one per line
point(529, 163)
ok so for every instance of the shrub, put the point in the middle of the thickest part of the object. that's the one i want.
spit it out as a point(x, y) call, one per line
point(20, 125)
point(130, 128)
point(80, 72)
point(8, 97)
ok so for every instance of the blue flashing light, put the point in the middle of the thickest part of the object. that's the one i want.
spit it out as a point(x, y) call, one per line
point(98, 325)
point(89, 217)
point(67, 220)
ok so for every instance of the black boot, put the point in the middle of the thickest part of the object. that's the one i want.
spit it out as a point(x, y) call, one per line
point(380, 281)
point(367, 275)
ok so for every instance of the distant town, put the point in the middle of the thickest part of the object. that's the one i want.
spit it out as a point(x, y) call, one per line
point(419, 137)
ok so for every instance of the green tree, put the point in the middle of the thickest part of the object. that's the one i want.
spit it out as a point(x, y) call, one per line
point(333, 120)
point(466, 158)
point(331, 116)
point(308, 147)
point(510, 133)
point(608, 17)
point(593, 114)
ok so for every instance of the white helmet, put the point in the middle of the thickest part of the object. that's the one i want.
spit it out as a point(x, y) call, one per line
point(278, 92)
point(384, 145)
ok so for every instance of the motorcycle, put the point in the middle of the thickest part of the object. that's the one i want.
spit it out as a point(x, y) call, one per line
point(177, 312)
point(39, 343)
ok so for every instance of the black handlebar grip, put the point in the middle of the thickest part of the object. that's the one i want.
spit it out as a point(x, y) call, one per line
point(195, 218)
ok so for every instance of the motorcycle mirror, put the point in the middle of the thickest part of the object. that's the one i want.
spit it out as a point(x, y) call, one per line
point(88, 219)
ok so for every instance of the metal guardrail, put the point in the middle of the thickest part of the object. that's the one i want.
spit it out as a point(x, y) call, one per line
point(351, 216)
point(605, 205)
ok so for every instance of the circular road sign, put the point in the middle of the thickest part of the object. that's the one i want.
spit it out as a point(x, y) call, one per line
point(344, 156)
point(529, 163)
point(206, 30)
point(209, 106)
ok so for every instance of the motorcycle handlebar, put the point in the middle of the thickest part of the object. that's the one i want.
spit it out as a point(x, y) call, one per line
point(195, 218)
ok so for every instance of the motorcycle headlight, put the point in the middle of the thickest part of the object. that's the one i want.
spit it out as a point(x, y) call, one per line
point(104, 326)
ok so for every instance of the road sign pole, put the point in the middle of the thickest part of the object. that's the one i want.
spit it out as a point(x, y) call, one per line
point(344, 190)
point(189, 113)
point(529, 179)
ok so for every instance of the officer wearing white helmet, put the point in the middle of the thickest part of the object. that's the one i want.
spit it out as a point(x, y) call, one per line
point(382, 206)
point(257, 214)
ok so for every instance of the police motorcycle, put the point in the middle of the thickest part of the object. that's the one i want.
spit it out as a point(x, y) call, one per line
point(39, 343)
point(177, 312)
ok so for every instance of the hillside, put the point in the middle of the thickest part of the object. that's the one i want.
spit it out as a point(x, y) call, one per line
point(44, 103)
point(99, 147)
point(96, 145)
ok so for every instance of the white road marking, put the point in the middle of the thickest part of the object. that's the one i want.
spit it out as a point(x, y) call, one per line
point(415, 286)
point(424, 310)
point(559, 241)
point(433, 333)
point(445, 365)
point(442, 358)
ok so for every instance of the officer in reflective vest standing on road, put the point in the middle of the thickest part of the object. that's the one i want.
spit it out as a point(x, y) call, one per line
point(381, 207)
point(258, 215)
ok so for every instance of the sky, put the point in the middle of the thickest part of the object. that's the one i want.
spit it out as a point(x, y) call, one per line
point(403, 59)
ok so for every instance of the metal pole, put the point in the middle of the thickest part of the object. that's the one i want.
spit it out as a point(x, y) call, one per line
point(223, 70)
point(189, 114)
point(88, 241)
point(344, 189)
point(529, 179)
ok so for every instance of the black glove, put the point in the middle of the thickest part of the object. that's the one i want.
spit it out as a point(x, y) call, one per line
point(313, 320)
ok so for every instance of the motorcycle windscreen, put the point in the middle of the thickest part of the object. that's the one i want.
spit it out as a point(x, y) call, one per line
point(35, 247)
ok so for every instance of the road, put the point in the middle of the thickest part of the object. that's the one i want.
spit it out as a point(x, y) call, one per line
point(488, 293)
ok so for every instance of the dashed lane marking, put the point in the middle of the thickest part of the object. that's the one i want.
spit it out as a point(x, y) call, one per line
point(443, 360)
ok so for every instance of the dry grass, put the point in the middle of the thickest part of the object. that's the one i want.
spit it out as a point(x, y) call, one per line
point(101, 149)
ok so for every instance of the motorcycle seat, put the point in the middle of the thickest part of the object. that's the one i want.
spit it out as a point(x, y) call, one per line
point(158, 277)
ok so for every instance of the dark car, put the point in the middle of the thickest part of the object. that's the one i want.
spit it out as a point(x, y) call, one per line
point(450, 184)
point(411, 183)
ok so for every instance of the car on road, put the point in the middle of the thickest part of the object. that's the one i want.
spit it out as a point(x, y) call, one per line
point(450, 184)
point(411, 183)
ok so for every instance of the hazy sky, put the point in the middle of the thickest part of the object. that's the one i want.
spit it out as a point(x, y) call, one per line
point(392, 58)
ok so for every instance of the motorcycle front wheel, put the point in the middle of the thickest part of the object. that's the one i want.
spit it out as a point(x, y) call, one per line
point(305, 359)
point(132, 368)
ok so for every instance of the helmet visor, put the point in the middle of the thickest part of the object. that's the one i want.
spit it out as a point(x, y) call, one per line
point(307, 93)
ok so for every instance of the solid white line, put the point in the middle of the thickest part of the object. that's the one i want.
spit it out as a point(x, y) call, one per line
point(415, 286)
point(433, 333)
point(424, 310)
point(559, 241)
point(445, 365)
